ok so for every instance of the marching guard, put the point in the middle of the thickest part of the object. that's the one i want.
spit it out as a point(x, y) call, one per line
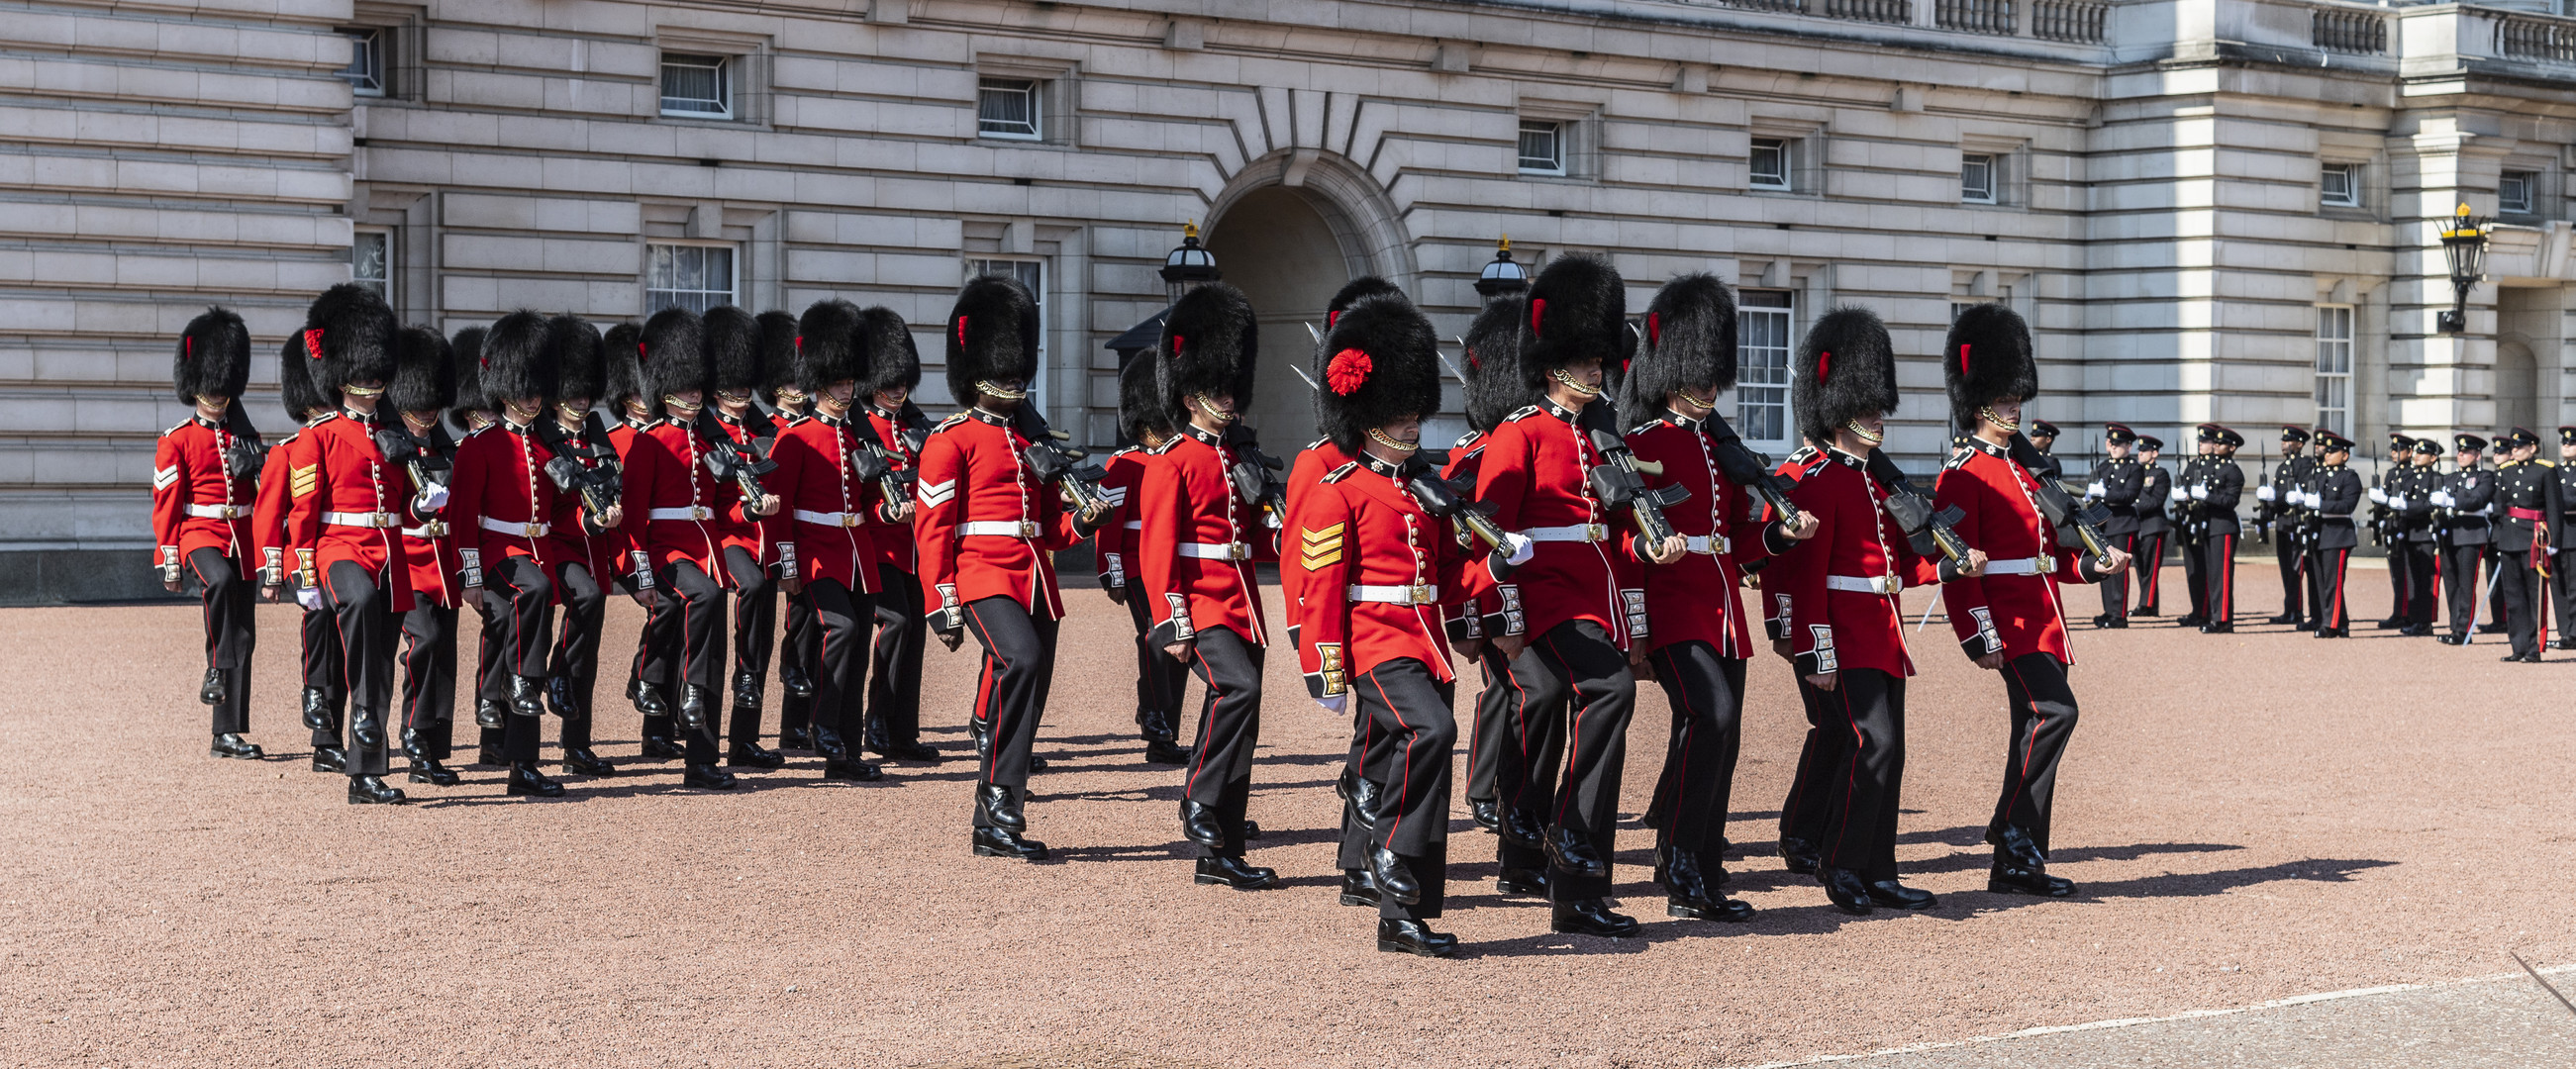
point(2562, 575)
point(2384, 523)
point(799, 637)
point(651, 685)
point(1160, 679)
point(325, 685)
point(423, 387)
point(1491, 382)
point(2214, 493)
point(205, 489)
point(591, 553)
point(2420, 553)
point(894, 678)
point(734, 342)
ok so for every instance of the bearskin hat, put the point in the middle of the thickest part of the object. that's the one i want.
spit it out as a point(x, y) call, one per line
point(295, 387)
point(732, 340)
point(1987, 357)
point(1210, 345)
point(1385, 366)
point(625, 375)
point(992, 335)
point(894, 362)
point(1578, 310)
point(827, 345)
point(671, 356)
point(1689, 345)
point(1846, 368)
point(466, 349)
point(214, 356)
point(1140, 400)
point(1493, 382)
point(349, 333)
point(518, 361)
point(777, 354)
point(424, 372)
point(1355, 291)
point(580, 358)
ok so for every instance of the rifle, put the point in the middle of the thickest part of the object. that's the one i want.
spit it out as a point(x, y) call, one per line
point(424, 461)
point(1929, 531)
point(599, 483)
point(1448, 501)
point(1615, 480)
point(1255, 476)
point(2076, 524)
point(739, 464)
point(248, 455)
point(1748, 469)
point(1056, 463)
point(2266, 511)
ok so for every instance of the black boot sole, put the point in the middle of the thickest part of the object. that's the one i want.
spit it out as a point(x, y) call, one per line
point(1369, 901)
point(1398, 946)
point(436, 779)
point(1244, 885)
point(1696, 913)
point(1520, 889)
point(2005, 888)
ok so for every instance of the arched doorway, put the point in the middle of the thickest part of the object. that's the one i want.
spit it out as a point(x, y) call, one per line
point(2517, 386)
point(1277, 248)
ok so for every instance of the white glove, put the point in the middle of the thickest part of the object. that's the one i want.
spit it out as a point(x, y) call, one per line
point(1334, 704)
point(433, 498)
point(2200, 493)
point(2264, 493)
point(2442, 498)
point(2097, 490)
point(309, 597)
point(2398, 502)
point(2313, 499)
point(2179, 495)
point(1522, 548)
point(2378, 496)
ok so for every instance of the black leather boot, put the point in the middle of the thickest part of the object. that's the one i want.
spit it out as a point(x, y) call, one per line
point(1364, 802)
point(1591, 916)
point(1415, 938)
point(753, 755)
point(231, 745)
point(854, 771)
point(1846, 889)
point(2009, 877)
point(490, 754)
point(424, 768)
point(829, 745)
point(1686, 892)
point(488, 713)
point(1199, 824)
point(526, 781)
point(1000, 806)
point(1359, 888)
point(317, 709)
point(660, 746)
point(1520, 827)
point(874, 737)
point(1394, 879)
point(330, 759)
point(695, 701)
point(582, 761)
point(794, 682)
point(372, 790)
point(1570, 852)
point(707, 777)
point(1487, 813)
point(795, 739)
point(649, 700)
point(1005, 842)
point(1522, 883)
point(1232, 871)
point(366, 728)
point(211, 692)
point(1895, 895)
point(527, 696)
point(746, 692)
point(911, 751)
point(566, 703)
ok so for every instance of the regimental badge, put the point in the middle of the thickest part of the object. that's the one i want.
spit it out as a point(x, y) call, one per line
point(1823, 634)
point(1181, 628)
point(1320, 547)
point(1117, 571)
point(1634, 602)
point(1986, 633)
point(1328, 664)
point(1515, 621)
point(304, 479)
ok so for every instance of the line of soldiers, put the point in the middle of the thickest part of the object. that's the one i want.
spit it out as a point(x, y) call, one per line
point(2440, 526)
point(2193, 509)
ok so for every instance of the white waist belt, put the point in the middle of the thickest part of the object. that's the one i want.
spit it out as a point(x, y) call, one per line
point(372, 520)
point(432, 529)
point(1874, 584)
point(829, 519)
point(523, 530)
point(1581, 532)
point(219, 512)
point(693, 512)
point(1709, 544)
point(1417, 594)
point(2022, 566)
point(1001, 528)
point(1216, 550)
point(1135, 525)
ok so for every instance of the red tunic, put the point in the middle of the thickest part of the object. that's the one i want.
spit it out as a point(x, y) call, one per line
point(1378, 569)
point(1468, 619)
point(268, 517)
point(1775, 606)
point(1199, 542)
point(1996, 612)
point(188, 473)
point(1834, 627)
point(974, 473)
point(1317, 460)
point(829, 505)
point(604, 552)
point(500, 489)
point(1113, 550)
point(1695, 599)
point(1534, 474)
point(761, 535)
point(675, 509)
point(429, 551)
point(349, 504)
point(894, 540)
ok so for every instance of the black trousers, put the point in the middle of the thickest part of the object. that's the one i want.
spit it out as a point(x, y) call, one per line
point(1492, 733)
point(576, 655)
point(2398, 583)
point(1706, 692)
point(320, 635)
point(1372, 757)
point(2460, 570)
point(1802, 814)
point(1220, 769)
point(1533, 745)
point(2219, 571)
point(844, 617)
point(2327, 570)
point(1019, 666)
point(1412, 711)
point(2043, 718)
point(2195, 575)
point(2423, 583)
point(2115, 587)
point(755, 608)
point(1161, 682)
point(2495, 591)
point(2562, 590)
point(2522, 590)
point(364, 613)
point(2150, 552)
point(2294, 583)
point(429, 677)
point(1867, 771)
point(800, 648)
point(690, 648)
point(894, 688)
point(232, 634)
point(530, 595)
point(1588, 675)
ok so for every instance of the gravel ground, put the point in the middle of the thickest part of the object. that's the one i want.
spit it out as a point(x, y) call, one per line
point(2252, 817)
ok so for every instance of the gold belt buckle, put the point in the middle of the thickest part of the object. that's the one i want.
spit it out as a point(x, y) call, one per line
point(1420, 593)
point(231, 512)
point(1593, 532)
point(434, 529)
point(1028, 529)
point(380, 520)
point(849, 519)
point(532, 529)
point(700, 512)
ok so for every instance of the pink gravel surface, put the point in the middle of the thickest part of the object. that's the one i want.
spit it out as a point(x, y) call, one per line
point(2251, 817)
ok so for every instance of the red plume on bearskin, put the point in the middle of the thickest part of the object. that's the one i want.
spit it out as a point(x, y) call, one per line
point(424, 372)
point(1140, 401)
point(625, 376)
point(1492, 362)
point(1578, 310)
point(893, 361)
point(1987, 357)
point(1846, 368)
point(777, 353)
point(1385, 366)
point(295, 387)
point(732, 339)
point(1689, 346)
point(671, 356)
point(827, 346)
point(214, 356)
point(466, 350)
point(992, 335)
point(349, 333)
point(518, 363)
point(1210, 345)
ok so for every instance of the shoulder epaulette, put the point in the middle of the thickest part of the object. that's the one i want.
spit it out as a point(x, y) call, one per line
point(1467, 439)
point(1521, 413)
point(1343, 472)
point(2544, 463)
point(1116, 453)
point(289, 439)
point(174, 429)
point(323, 418)
point(943, 424)
point(1167, 445)
point(1319, 443)
point(1958, 459)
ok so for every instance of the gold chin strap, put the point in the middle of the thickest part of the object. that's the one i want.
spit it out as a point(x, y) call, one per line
point(1865, 434)
point(684, 407)
point(1987, 413)
point(571, 413)
point(1709, 403)
point(1380, 437)
point(362, 391)
point(791, 396)
point(1587, 391)
point(988, 389)
point(1200, 401)
point(524, 414)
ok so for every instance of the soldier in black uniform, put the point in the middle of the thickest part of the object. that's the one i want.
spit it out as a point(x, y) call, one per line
point(2044, 435)
point(2154, 528)
point(2417, 548)
point(2562, 569)
point(2383, 523)
point(2188, 530)
point(2214, 495)
point(2531, 509)
point(2119, 483)
point(2467, 501)
point(2273, 498)
point(2332, 493)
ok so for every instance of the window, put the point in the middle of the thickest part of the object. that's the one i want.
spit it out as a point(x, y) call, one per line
point(2513, 191)
point(1031, 274)
point(1765, 336)
point(371, 261)
point(2334, 368)
point(1977, 178)
point(2340, 186)
point(695, 277)
point(697, 87)
point(1770, 163)
point(1009, 108)
point(1542, 146)
point(366, 70)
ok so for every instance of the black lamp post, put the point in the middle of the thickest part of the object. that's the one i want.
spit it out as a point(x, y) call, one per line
point(2464, 244)
point(1188, 266)
point(1503, 276)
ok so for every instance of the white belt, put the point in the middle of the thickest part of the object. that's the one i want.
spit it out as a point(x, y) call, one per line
point(374, 520)
point(219, 512)
point(1709, 544)
point(1872, 584)
point(1417, 594)
point(522, 530)
point(2022, 566)
point(1000, 528)
point(1135, 525)
point(1216, 550)
point(693, 512)
point(432, 529)
point(831, 519)
point(1581, 532)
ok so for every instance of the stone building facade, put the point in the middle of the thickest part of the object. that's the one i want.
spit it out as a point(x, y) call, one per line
point(2208, 209)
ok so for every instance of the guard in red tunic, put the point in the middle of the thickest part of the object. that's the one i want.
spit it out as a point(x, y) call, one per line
point(501, 491)
point(735, 374)
point(2011, 618)
point(1802, 814)
point(423, 386)
point(800, 639)
point(348, 503)
point(1701, 637)
point(1159, 679)
point(591, 550)
point(1378, 566)
point(205, 486)
point(1502, 733)
point(894, 679)
point(823, 480)
point(652, 684)
point(1199, 543)
point(325, 685)
point(988, 525)
point(474, 414)
point(1846, 625)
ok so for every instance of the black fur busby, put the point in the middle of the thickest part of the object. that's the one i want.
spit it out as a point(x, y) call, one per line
point(827, 345)
point(1987, 357)
point(1211, 344)
point(517, 362)
point(777, 354)
point(295, 387)
point(732, 340)
point(1493, 344)
point(214, 356)
point(1385, 366)
point(625, 375)
point(467, 351)
point(1846, 368)
point(424, 372)
point(1355, 291)
point(580, 357)
point(894, 362)
point(671, 356)
point(1140, 401)
point(992, 335)
point(349, 334)
point(1578, 310)
point(1688, 346)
